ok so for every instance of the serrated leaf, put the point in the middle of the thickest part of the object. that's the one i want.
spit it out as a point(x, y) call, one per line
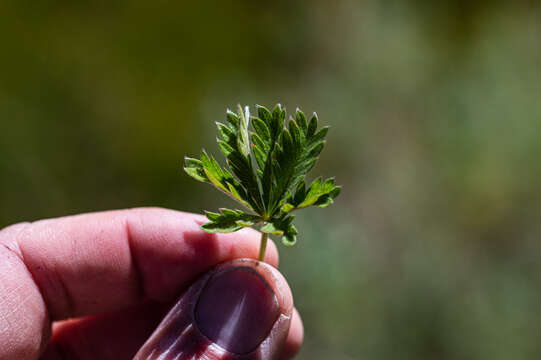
point(228, 221)
point(320, 194)
point(276, 186)
point(328, 199)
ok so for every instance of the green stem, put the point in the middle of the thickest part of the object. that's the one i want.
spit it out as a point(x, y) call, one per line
point(263, 246)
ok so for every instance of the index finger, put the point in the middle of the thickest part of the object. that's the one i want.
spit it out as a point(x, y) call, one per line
point(104, 261)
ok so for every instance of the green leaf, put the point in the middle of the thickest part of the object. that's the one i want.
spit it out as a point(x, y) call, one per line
point(318, 194)
point(327, 199)
point(272, 184)
point(228, 221)
point(282, 226)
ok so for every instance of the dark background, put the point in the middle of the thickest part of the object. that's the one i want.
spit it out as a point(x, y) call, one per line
point(431, 252)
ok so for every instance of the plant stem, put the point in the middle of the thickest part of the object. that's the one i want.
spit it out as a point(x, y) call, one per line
point(263, 246)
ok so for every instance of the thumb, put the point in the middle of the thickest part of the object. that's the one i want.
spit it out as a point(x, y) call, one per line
point(241, 310)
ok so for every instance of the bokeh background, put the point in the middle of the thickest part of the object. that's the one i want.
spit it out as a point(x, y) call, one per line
point(431, 252)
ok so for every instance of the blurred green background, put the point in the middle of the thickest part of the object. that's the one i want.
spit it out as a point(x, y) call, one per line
point(431, 252)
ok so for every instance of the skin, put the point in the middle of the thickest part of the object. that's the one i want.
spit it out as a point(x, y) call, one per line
point(95, 286)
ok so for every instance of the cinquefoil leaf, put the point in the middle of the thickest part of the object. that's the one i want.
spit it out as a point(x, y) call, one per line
point(229, 221)
point(267, 161)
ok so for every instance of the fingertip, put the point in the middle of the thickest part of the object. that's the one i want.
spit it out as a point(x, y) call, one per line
point(142, 252)
point(240, 310)
point(295, 337)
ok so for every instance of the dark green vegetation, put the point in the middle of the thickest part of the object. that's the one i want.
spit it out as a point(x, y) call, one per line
point(274, 185)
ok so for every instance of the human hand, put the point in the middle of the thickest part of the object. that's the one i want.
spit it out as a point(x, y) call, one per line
point(105, 280)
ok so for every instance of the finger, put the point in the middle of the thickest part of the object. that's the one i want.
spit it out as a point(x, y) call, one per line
point(111, 336)
point(102, 262)
point(294, 337)
point(118, 336)
point(241, 310)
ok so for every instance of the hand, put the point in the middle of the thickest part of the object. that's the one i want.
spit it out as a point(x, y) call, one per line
point(105, 281)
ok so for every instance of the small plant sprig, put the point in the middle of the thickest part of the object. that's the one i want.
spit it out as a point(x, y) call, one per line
point(267, 169)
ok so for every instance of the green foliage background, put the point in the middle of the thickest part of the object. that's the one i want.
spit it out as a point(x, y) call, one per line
point(431, 252)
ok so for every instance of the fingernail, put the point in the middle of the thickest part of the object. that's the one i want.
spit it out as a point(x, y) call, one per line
point(237, 309)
